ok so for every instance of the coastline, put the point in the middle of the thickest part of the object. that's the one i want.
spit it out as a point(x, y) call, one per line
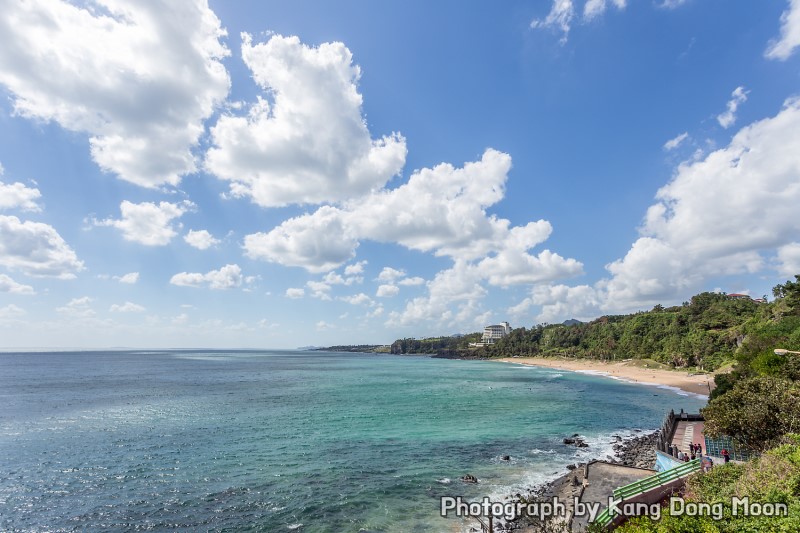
point(699, 384)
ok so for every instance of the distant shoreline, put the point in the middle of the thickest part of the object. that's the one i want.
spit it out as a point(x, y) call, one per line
point(700, 384)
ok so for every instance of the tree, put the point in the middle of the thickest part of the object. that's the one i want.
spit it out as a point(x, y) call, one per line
point(790, 293)
point(756, 412)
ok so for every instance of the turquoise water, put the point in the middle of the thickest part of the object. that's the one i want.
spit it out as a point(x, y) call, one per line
point(288, 441)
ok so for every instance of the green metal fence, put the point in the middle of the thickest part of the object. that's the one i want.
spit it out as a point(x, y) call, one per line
point(651, 482)
point(737, 453)
point(643, 485)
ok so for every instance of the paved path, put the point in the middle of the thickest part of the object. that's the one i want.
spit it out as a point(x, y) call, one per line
point(687, 433)
point(602, 479)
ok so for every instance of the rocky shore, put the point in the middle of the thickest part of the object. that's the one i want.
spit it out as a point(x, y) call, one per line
point(638, 451)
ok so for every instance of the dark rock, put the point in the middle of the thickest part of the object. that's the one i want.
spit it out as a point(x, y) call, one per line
point(569, 441)
point(572, 467)
point(506, 458)
point(469, 478)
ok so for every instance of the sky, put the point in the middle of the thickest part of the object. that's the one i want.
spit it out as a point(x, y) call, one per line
point(261, 174)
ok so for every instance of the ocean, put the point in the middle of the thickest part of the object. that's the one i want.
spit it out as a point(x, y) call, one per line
point(199, 440)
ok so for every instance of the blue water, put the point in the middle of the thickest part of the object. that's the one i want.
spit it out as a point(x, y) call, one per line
point(288, 441)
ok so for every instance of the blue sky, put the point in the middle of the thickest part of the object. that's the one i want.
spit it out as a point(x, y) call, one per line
point(278, 174)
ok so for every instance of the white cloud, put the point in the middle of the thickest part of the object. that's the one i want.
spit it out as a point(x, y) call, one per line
point(454, 299)
point(130, 278)
point(11, 311)
point(319, 289)
point(18, 196)
point(295, 293)
point(594, 8)
point(676, 141)
point(180, 320)
point(442, 209)
point(323, 326)
point(9, 285)
point(77, 308)
point(672, 4)
point(718, 216)
point(148, 223)
point(227, 277)
point(138, 78)
point(332, 278)
point(127, 307)
point(409, 282)
point(390, 274)
point(782, 48)
point(318, 242)
point(559, 302)
point(357, 299)
point(387, 291)
point(355, 268)
point(309, 142)
point(36, 249)
point(202, 239)
point(789, 259)
point(728, 117)
point(560, 17)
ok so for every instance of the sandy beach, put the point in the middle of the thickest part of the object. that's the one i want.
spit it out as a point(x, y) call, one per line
point(697, 384)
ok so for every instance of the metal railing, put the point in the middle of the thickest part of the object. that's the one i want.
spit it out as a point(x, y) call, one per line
point(662, 478)
point(643, 485)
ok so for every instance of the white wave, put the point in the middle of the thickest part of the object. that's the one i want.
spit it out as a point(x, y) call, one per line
point(444, 481)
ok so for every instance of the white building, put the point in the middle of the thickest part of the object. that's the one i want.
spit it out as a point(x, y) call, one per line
point(493, 333)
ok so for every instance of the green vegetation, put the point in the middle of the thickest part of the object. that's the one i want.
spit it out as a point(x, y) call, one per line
point(758, 405)
point(357, 348)
point(772, 478)
point(709, 331)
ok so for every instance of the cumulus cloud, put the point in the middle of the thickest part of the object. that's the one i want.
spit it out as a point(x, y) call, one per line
point(319, 290)
point(36, 249)
point(387, 291)
point(594, 8)
point(454, 298)
point(18, 196)
point(410, 282)
point(440, 210)
point(295, 293)
point(324, 326)
point(783, 47)
point(718, 216)
point(130, 278)
point(318, 242)
point(227, 277)
point(11, 311)
point(138, 78)
point(307, 140)
point(559, 18)
point(672, 4)
point(127, 307)
point(676, 141)
point(355, 268)
point(77, 308)
point(390, 274)
point(202, 239)
point(9, 285)
point(789, 259)
point(148, 223)
point(357, 299)
point(728, 117)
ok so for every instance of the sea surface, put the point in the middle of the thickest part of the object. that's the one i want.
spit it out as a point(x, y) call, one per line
point(289, 440)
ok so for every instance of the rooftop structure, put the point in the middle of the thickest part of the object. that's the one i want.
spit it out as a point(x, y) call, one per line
point(495, 332)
